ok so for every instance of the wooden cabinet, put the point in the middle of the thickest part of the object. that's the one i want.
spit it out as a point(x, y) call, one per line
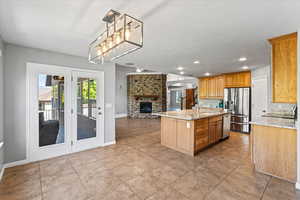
point(211, 87)
point(201, 134)
point(274, 151)
point(284, 68)
point(238, 79)
point(220, 87)
point(203, 86)
point(215, 129)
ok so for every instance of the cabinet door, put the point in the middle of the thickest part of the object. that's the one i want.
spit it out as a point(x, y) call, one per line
point(203, 86)
point(219, 130)
point(220, 87)
point(212, 132)
point(284, 69)
point(201, 134)
point(212, 87)
point(229, 80)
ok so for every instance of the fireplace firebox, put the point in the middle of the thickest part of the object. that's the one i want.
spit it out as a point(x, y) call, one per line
point(145, 107)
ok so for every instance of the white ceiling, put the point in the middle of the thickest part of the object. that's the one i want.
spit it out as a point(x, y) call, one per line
point(177, 32)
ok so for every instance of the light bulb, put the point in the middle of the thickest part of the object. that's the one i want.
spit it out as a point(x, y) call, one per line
point(104, 48)
point(127, 33)
point(110, 43)
point(118, 38)
point(99, 51)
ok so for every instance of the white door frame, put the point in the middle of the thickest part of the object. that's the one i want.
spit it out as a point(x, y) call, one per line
point(32, 69)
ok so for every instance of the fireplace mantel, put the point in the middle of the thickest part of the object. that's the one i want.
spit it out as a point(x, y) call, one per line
point(153, 97)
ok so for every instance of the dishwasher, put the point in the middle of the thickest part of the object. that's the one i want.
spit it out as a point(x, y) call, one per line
point(226, 126)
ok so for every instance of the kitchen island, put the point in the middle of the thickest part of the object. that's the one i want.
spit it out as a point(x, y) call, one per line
point(189, 131)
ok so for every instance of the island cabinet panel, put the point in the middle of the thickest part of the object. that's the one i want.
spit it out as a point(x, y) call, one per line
point(284, 68)
point(215, 129)
point(185, 134)
point(274, 151)
point(168, 130)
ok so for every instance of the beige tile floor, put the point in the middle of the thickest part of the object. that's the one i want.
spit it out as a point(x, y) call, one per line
point(138, 168)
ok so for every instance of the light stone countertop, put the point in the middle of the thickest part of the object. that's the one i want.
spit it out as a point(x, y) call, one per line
point(275, 122)
point(192, 114)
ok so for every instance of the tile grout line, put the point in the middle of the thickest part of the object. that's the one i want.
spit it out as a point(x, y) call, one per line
point(267, 185)
point(215, 187)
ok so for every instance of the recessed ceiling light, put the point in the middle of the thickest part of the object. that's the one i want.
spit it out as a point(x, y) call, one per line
point(139, 70)
point(182, 72)
point(207, 74)
point(179, 68)
point(245, 67)
point(242, 59)
point(196, 62)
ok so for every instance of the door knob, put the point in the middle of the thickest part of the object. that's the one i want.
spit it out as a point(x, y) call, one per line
point(99, 113)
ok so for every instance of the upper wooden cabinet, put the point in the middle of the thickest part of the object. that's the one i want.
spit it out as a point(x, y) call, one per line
point(284, 68)
point(203, 86)
point(238, 79)
point(213, 87)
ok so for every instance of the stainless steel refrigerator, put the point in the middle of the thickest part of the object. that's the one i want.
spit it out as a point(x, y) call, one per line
point(237, 101)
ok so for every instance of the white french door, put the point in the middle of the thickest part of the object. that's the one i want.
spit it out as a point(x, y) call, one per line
point(64, 112)
point(87, 110)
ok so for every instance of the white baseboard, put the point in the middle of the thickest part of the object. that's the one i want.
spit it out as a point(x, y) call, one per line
point(16, 163)
point(109, 143)
point(121, 115)
point(2, 172)
point(297, 186)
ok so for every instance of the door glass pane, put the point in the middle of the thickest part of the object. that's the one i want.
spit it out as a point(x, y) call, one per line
point(51, 109)
point(86, 108)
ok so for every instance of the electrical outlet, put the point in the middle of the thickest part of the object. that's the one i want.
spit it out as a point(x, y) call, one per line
point(188, 125)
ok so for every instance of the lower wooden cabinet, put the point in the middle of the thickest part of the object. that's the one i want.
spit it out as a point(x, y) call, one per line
point(190, 136)
point(215, 129)
point(274, 151)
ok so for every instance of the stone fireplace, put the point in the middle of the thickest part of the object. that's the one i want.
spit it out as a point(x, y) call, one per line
point(146, 94)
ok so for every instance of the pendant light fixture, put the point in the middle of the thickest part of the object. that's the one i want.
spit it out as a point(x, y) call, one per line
point(123, 35)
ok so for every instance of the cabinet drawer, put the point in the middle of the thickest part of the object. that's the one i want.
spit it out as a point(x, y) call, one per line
point(201, 123)
point(200, 143)
point(201, 133)
point(215, 119)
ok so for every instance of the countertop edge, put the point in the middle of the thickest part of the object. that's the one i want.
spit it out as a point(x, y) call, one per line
point(273, 125)
point(189, 119)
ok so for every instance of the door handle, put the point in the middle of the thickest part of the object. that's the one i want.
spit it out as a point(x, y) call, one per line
point(99, 113)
